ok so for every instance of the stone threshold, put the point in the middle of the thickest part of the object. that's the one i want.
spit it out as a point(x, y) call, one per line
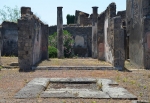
point(73, 68)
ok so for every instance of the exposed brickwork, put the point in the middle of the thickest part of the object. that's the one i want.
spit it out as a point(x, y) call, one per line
point(30, 37)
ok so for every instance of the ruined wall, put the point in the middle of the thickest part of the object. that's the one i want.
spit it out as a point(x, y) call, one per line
point(52, 29)
point(29, 39)
point(116, 42)
point(0, 42)
point(138, 29)
point(109, 13)
point(82, 37)
point(122, 14)
point(44, 46)
point(111, 37)
point(82, 18)
point(10, 39)
point(100, 36)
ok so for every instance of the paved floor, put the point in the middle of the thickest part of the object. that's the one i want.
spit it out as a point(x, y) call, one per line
point(74, 88)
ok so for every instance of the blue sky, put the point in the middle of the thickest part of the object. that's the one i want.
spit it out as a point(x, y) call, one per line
point(47, 9)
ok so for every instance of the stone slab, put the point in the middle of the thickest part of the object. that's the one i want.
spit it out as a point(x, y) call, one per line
point(75, 93)
point(74, 68)
point(83, 80)
point(39, 81)
point(110, 89)
point(33, 88)
point(115, 92)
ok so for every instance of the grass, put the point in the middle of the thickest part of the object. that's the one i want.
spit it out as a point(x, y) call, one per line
point(73, 62)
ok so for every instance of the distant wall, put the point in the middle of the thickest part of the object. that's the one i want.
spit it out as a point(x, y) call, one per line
point(52, 29)
point(82, 18)
point(82, 37)
point(100, 36)
point(10, 39)
point(30, 36)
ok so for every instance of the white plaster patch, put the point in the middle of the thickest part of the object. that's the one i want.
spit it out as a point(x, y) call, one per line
point(79, 41)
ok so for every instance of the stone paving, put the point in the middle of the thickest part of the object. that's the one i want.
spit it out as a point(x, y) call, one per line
point(74, 88)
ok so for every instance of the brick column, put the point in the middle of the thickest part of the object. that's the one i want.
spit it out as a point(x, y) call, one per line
point(94, 33)
point(60, 48)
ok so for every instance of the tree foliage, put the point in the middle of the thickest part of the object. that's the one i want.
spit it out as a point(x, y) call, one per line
point(70, 19)
point(9, 14)
point(67, 42)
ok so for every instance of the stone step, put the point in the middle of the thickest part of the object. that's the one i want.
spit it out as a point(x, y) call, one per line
point(73, 68)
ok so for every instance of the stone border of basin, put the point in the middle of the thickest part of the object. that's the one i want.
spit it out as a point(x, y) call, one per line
point(36, 88)
point(74, 68)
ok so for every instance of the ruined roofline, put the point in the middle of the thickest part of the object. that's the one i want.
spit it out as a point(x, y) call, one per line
point(86, 14)
point(8, 22)
point(27, 14)
point(121, 12)
point(101, 14)
point(71, 26)
point(111, 7)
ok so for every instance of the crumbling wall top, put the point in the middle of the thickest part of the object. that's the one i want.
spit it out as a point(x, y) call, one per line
point(122, 14)
point(8, 24)
point(111, 10)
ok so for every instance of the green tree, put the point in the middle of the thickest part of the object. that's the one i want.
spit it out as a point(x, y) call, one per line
point(68, 43)
point(70, 19)
point(9, 14)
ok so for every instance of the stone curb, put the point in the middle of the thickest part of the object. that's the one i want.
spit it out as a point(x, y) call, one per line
point(37, 88)
point(74, 68)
